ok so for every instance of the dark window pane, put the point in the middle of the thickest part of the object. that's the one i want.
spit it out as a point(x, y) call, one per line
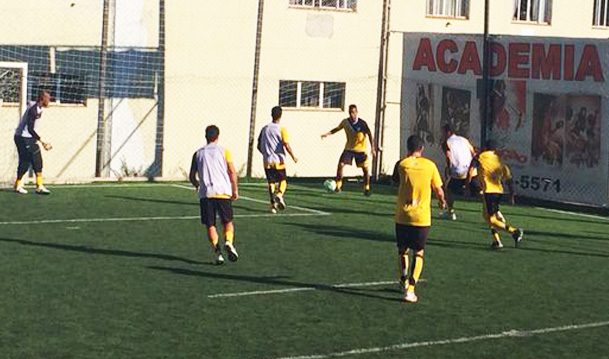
point(334, 95)
point(309, 94)
point(71, 89)
point(10, 84)
point(328, 3)
point(352, 4)
point(287, 93)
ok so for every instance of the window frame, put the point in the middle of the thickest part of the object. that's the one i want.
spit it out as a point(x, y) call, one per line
point(544, 7)
point(599, 13)
point(341, 5)
point(322, 96)
point(441, 9)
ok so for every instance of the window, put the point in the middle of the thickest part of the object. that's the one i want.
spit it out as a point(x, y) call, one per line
point(10, 85)
point(601, 10)
point(448, 8)
point(327, 4)
point(64, 88)
point(537, 11)
point(312, 94)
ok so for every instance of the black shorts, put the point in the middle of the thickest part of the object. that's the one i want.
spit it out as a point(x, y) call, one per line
point(413, 237)
point(29, 153)
point(212, 206)
point(275, 175)
point(457, 186)
point(491, 203)
point(361, 158)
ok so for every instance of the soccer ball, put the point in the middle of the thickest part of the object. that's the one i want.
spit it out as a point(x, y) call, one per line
point(330, 185)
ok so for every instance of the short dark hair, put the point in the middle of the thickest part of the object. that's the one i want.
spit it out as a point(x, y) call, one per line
point(42, 93)
point(352, 106)
point(211, 133)
point(414, 143)
point(448, 128)
point(276, 112)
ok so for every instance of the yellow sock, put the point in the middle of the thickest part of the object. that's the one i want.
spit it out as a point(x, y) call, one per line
point(18, 183)
point(229, 235)
point(496, 222)
point(367, 187)
point(339, 184)
point(283, 185)
point(418, 269)
point(496, 237)
point(38, 180)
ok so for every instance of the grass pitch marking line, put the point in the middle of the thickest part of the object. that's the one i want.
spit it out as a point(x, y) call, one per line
point(134, 219)
point(574, 213)
point(302, 289)
point(507, 334)
point(310, 210)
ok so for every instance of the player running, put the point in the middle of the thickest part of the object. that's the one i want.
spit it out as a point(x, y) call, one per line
point(213, 174)
point(273, 142)
point(459, 153)
point(492, 172)
point(417, 176)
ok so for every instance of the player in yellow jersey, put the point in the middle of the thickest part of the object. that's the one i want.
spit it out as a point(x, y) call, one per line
point(492, 172)
point(213, 174)
point(356, 148)
point(417, 177)
point(273, 143)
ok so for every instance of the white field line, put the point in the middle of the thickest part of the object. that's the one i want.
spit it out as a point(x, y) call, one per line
point(514, 333)
point(573, 213)
point(301, 289)
point(310, 210)
point(158, 218)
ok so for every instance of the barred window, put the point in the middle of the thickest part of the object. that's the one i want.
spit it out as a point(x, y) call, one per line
point(601, 12)
point(312, 94)
point(448, 8)
point(10, 85)
point(64, 88)
point(326, 4)
point(535, 11)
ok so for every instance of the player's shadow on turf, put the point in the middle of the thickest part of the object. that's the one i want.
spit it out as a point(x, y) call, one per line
point(575, 236)
point(280, 282)
point(600, 221)
point(188, 203)
point(89, 250)
point(344, 232)
point(155, 200)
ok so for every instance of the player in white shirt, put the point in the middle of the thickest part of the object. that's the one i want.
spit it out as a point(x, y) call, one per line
point(273, 143)
point(26, 140)
point(213, 174)
point(459, 154)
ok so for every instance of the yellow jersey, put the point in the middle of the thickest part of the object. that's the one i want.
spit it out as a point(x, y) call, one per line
point(491, 172)
point(356, 134)
point(416, 176)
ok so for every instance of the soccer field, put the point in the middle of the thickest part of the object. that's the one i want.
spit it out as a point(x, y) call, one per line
point(122, 271)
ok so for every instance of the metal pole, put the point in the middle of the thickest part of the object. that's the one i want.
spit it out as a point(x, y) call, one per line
point(486, 59)
point(252, 134)
point(157, 169)
point(379, 125)
point(101, 133)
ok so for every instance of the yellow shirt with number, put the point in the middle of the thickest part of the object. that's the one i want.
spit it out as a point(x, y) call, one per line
point(416, 177)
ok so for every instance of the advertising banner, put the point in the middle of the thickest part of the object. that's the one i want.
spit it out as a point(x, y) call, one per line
point(547, 107)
